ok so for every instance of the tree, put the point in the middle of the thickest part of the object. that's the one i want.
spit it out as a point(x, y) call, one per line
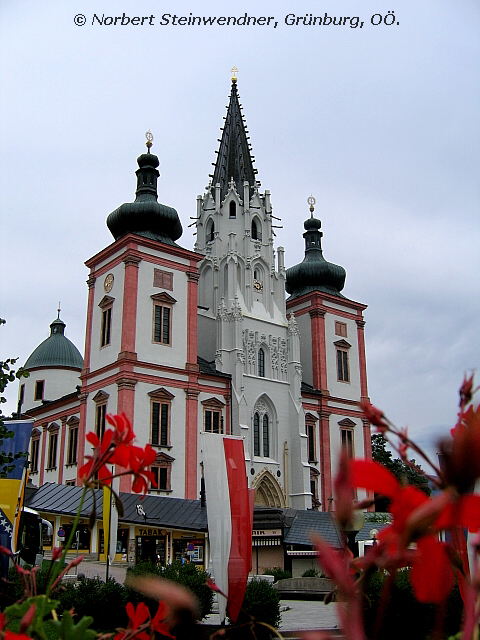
point(405, 472)
point(7, 374)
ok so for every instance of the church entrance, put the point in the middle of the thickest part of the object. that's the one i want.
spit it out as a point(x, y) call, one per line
point(268, 492)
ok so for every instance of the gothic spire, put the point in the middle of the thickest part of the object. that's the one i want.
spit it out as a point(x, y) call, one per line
point(233, 158)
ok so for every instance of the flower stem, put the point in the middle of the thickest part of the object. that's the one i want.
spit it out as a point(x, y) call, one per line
point(68, 544)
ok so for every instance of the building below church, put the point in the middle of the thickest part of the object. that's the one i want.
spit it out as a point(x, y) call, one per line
point(220, 338)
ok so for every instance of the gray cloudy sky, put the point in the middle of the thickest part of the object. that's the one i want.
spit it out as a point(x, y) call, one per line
point(380, 123)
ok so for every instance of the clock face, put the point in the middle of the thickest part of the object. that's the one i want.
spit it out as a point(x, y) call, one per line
point(108, 282)
point(257, 285)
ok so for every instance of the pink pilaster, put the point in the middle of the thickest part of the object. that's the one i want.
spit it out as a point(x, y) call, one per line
point(61, 457)
point(191, 444)
point(319, 357)
point(129, 312)
point(192, 323)
point(325, 460)
point(126, 405)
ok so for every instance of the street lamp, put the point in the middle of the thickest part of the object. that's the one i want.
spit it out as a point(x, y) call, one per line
point(373, 536)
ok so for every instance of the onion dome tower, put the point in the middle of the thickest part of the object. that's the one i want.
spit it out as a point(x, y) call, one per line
point(146, 216)
point(54, 368)
point(314, 273)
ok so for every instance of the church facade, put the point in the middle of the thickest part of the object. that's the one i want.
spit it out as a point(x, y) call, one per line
point(222, 338)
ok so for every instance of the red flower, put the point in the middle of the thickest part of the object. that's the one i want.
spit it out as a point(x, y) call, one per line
point(138, 461)
point(137, 617)
point(158, 621)
point(374, 415)
point(102, 454)
point(123, 433)
point(418, 518)
point(461, 453)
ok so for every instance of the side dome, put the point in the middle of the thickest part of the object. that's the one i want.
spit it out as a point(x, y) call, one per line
point(56, 351)
point(146, 216)
point(314, 273)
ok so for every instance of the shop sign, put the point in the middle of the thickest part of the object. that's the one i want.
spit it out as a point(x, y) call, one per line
point(267, 532)
point(151, 532)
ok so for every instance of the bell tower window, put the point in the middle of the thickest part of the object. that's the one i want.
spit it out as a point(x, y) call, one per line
point(210, 231)
point(256, 230)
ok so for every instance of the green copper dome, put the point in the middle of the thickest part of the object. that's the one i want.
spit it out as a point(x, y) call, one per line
point(146, 216)
point(314, 273)
point(56, 351)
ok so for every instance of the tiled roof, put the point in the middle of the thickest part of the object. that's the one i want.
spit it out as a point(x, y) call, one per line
point(307, 522)
point(61, 498)
point(208, 367)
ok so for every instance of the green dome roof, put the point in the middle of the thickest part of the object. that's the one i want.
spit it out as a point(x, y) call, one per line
point(314, 273)
point(56, 351)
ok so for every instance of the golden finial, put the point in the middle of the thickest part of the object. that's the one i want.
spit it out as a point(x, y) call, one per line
point(311, 201)
point(149, 137)
point(234, 71)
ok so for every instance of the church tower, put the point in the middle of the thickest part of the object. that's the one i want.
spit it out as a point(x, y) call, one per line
point(243, 324)
point(141, 335)
point(332, 352)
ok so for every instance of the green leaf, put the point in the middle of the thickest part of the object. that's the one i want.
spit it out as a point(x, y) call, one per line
point(67, 630)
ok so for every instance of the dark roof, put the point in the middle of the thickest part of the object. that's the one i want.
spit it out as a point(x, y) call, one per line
point(166, 512)
point(161, 511)
point(56, 351)
point(146, 216)
point(62, 498)
point(234, 159)
point(208, 367)
point(314, 273)
point(307, 522)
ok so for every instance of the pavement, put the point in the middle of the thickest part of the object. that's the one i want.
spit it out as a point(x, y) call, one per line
point(297, 615)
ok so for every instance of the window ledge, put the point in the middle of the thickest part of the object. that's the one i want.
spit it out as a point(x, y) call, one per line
point(161, 446)
point(71, 464)
point(160, 491)
point(50, 468)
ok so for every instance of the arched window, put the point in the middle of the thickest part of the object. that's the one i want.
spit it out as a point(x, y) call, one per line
point(256, 230)
point(210, 231)
point(266, 437)
point(261, 363)
point(232, 213)
point(256, 434)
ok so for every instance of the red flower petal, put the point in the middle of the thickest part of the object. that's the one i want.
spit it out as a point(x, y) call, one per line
point(368, 474)
point(407, 500)
point(432, 576)
point(121, 455)
point(93, 438)
point(463, 513)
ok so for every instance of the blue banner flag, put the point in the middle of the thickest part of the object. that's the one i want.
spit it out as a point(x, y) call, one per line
point(19, 443)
